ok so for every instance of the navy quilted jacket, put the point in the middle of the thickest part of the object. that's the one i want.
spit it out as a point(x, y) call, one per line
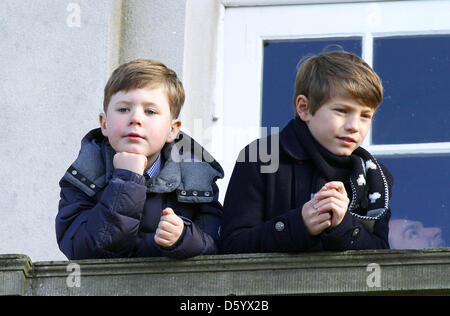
point(110, 213)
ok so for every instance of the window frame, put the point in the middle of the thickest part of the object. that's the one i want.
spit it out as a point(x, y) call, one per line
point(246, 29)
point(242, 38)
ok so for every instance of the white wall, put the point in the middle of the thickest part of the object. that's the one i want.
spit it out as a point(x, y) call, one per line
point(52, 73)
point(202, 115)
point(154, 29)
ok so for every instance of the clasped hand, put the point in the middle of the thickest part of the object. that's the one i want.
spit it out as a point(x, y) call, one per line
point(326, 209)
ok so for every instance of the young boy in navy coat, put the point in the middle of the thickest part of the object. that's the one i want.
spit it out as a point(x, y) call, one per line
point(328, 193)
point(138, 188)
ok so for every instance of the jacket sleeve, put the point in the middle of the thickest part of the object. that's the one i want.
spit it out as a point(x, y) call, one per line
point(86, 229)
point(199, 236)
point(351, 234)
point(247, 228)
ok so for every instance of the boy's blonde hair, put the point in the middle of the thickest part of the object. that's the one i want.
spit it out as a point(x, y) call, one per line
point(336, 73)
point(146, 73)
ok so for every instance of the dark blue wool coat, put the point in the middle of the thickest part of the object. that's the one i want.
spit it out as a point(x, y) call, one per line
point(263, 211)
point(109, 213)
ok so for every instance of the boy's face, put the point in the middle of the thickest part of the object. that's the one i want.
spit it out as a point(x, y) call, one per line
point(139, 121)
point(340, 124)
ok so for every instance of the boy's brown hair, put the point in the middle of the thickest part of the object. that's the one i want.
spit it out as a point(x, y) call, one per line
point(335, 73)
point(146, 73)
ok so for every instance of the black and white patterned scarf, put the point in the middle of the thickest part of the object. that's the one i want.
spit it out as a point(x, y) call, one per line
point(361, 173)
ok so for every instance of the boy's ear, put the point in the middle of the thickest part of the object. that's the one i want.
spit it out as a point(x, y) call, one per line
point(174, 130)
point(302, 107)
point(103, 126)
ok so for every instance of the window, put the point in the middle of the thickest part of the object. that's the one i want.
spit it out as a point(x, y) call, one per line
point(416, 75)
point(280, 68)
point(416, 79)
point(407, 43)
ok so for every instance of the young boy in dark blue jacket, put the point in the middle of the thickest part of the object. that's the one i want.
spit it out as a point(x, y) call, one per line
point(138, 188)
point(327, 193)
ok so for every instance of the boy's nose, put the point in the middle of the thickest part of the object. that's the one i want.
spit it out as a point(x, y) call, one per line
point(352, 124)
point(135, 117)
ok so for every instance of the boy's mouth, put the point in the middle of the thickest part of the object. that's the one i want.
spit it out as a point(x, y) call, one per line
point(134, 136)
point(347, 140)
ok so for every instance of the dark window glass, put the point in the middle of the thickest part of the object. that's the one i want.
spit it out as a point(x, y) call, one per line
point(415, 71)
point(280, 69)
point(420, 203)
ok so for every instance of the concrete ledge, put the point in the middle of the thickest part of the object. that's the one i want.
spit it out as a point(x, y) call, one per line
point(14, 270)
point(349, 273)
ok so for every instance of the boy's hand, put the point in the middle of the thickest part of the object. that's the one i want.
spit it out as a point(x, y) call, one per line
point(132, 162)
point(332, 198)
point(314, 220)
point(169, 229)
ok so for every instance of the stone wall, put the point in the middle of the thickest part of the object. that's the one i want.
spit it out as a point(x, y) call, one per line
point(387, 272)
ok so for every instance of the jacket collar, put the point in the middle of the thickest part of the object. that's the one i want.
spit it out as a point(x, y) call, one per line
point(189, 168)
point(289, 143)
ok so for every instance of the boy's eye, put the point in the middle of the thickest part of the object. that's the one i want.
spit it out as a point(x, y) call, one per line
point(122, 110)
point(149, 111)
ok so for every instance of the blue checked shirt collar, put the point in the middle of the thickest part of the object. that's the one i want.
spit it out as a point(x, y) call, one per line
point(155, 168)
